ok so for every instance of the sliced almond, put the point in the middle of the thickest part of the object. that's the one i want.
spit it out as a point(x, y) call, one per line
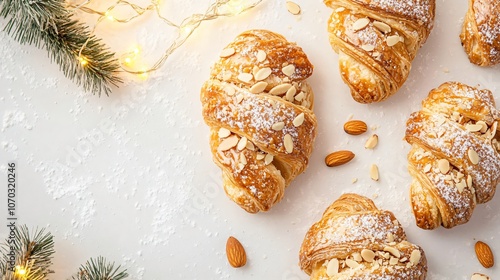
point(473, 127)
point(351, 263)
point(278, 126)
point(227, 52)
point(382, 26)
point(479, 276)
point(242, 144)
point(393, 251)
point(268, 159)
point(224, 132)
point(374, 172)
point(290, 94)
point(444, 165)
point(372, 142)
point(258, 87)
point(393, 261)
point(229, 90)
point(228, 143)
point(260, 156)
point(293, 8)
point(392, 40)
point(288, 143)
point(474, 158)
point(261, 55)
point(427, 168)
point(415, 257)
point(357, 257)
point(360, 24)
point(333, 267)
point(469, 181)
point(250, 146)
point(368, 255)
point(299, 96)
point(288, 70)
point(245, 77)
point(280, 89)
point(368, 48)
point(262, 74)
point(483, 125)
point(461, 186)
point(299, 120)
point(390, 237)
point(243, 159)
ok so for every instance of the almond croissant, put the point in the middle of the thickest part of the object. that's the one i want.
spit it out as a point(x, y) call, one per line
point(356, 240)
point(377, 41)
point(258, 105)
point(481, 32)
point(454, 159)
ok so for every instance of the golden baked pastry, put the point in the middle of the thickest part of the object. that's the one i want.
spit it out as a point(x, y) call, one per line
point(356, 240)
point(258, 105)
point(481, 32)
point(377, 41)
point(454, 158)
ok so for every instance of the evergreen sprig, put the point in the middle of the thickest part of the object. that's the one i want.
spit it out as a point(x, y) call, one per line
point(100, 269)
point(48, 24)
point(33, 253)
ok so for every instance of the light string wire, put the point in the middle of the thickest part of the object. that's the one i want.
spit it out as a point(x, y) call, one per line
point(220, 8)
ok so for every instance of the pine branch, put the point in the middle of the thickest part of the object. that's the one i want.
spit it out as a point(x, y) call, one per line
point(30, 253)
point(100, 270)
point(48, 24)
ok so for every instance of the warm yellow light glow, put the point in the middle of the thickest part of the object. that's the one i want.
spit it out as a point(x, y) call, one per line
point(109, 16)
point(236, 6)
point(143, 75)
point(20, 270)
point(186, 29)
point(137, 50)
point(83, 61)
point(128, 60)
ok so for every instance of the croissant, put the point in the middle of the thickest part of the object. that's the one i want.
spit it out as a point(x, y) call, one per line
point(481, 32)
point(356, 240)
point(377, 41)
point(258, 106)
point(454, 158)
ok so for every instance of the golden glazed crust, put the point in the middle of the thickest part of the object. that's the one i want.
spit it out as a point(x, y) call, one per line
point(350, 225)
point(481, 32)
point(276, 122)
point(456, 123)
point(373, 63)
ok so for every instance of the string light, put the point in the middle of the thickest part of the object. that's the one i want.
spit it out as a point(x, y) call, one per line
point(220, 8)
point(83, 60)
point(20, 271)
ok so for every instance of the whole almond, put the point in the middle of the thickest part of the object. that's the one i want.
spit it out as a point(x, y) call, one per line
point(355, 127)
point(235, 252)
point(338, 158)
point(484, 254)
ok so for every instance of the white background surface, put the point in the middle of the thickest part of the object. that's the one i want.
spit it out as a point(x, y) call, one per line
point(130, 176)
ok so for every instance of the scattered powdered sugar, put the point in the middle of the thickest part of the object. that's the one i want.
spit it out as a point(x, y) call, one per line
point(12, 118)
point(421, 10)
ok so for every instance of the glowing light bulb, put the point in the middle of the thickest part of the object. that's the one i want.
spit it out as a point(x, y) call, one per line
point(137, 50)
point(20, 270)
point(128, 60)
point(143, 75)
point(109, 16)
point(236, 6)
point(186, 29)
point(83, 61)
